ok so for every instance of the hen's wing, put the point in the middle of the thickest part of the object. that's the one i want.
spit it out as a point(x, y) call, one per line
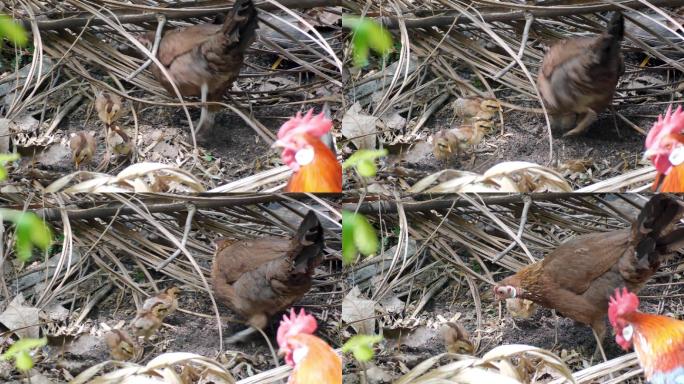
point(575, 264)
point(267, 275)
point(179, 42)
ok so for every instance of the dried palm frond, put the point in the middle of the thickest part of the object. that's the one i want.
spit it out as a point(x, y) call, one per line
point(509, 176)
point(505, 364)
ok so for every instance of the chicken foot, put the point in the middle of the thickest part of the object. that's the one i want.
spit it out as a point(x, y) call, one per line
point(242, 336)
point(583, 125)
point(599, 346)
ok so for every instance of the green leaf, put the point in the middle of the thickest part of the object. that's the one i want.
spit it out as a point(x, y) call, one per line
point(365, 238)
point(4, 158)
point(363, 155)
point(7, 157)
point(31, 231)
point(13, 31)
point(349, 251)
point(363, 161)
point(358, 236)
point(366, 168)
point(361, 346)
point(23, 361)
point(367, 35)
point(20, 352)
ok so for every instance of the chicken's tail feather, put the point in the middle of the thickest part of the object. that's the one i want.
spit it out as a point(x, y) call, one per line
point(609, 46)
point(656, 234)
point(659, 214)
point(240, 24)
point(309, 244)
point(616, 26)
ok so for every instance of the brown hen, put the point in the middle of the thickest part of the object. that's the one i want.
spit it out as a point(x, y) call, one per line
point(204, 60)
point(259, 278)
point(578, 277)
point(578, 76)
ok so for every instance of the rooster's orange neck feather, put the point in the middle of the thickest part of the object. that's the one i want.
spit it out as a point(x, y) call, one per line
point(658, 340)
point(322, 175)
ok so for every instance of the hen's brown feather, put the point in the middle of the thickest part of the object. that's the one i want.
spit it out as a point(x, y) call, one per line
point(207, 53)
point(579, 75)
point(261, 277)
point(579, 276)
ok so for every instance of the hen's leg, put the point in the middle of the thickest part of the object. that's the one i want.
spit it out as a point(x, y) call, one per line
point(256, 321)
point(204, 125)
point(555, 328)
point(583, 125)
point(599, 330)
point(241, 336)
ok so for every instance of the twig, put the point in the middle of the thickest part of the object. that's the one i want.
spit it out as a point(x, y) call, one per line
point(388, 206)
point(3, 284)
point(537, 12)
point(96, 298)
point(71, 104)
point(78, 213)
point(529, 19)
point(188, 225)
point(632, 125)
point(523, 220)
point(432, 291)
point(431, 109)
point(161, 19)
point(80, 20)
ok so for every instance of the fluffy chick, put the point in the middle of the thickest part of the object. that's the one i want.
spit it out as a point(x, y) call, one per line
point(108, 106)
point(453, 142)
point(148, 321)
point(457, 339)
point(119, 141)
point(121, 345)
point(82, 145)
point(521, 308)
point(473, 106)
point(166, 302)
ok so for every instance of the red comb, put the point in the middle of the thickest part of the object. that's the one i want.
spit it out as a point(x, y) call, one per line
point(665, 134)
point(621, 303)
point(295, 324)
point(316, 126)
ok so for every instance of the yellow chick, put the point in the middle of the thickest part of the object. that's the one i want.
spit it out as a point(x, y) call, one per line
point(108, 106)
point(121, 345)
point(82, 145)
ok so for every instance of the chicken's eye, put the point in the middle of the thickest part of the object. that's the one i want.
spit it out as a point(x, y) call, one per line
point(305, 155)
point(627, 332)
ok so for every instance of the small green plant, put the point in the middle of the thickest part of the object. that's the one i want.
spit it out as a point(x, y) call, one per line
point(20, 352)
point(4, 159)
point(361, 346)
point(31, 232)
point(13, 31)
point(358, 237)
point(367, 35)
point(363, 161)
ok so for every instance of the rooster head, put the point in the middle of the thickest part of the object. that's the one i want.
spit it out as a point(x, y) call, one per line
point(622, 303)
point(291, 326)
point(294, 137)
point(665, 141)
